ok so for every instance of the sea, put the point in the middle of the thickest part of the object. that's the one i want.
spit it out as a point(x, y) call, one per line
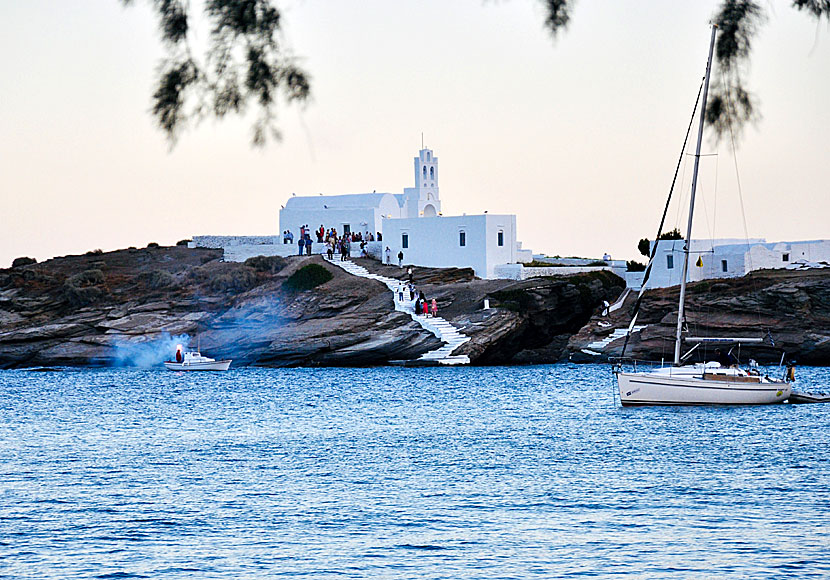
point(493, 472)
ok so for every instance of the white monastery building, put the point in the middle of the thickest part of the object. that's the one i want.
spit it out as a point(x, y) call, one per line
point(410, 222)
point(729, 258)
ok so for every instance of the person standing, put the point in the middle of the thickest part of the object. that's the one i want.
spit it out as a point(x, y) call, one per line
point(388, 253)
point(308, 243)
point(425, 306)
point(409, 274)
point(400, 259)
point(434, 308)
point(301, 244)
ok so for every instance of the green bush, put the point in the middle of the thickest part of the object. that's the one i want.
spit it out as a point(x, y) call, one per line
point(152, 245)
point(95, 252)
point(598, 263)
point(267, 264)
point(183, 242)
point(634, 266)
point(307, 277)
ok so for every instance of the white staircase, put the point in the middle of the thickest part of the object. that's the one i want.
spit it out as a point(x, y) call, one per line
point(441, 328)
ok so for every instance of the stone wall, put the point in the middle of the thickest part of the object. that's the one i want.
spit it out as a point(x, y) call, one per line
point(521, 272)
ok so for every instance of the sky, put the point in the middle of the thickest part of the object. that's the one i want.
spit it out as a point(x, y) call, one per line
point(578, 135)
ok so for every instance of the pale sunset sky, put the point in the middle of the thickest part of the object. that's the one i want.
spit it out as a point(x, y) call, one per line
point(578, 136)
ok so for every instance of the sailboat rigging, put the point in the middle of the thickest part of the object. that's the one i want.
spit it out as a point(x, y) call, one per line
point(706, 383)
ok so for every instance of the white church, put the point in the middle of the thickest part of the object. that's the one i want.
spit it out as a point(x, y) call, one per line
point(410, 222)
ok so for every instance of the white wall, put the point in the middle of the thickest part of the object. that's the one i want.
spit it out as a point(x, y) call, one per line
point(434, 242)
point(520, 272)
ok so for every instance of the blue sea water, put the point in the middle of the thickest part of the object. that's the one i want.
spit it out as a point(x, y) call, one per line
point(530, 472)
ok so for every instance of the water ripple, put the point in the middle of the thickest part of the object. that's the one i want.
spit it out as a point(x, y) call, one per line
point(401, 473)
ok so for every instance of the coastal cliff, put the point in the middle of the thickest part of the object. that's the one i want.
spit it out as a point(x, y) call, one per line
point(133, 306)
point(791, 309)
point(121, 307)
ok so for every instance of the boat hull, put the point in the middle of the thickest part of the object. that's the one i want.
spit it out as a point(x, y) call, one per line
point(648, 389)
point(216, 365)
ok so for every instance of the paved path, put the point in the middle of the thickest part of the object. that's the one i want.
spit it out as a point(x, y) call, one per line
point(441, 328)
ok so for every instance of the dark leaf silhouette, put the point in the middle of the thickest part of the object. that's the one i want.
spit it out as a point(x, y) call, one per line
point(244, 63)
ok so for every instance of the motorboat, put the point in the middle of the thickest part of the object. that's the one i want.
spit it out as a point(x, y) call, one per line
point(194, 361)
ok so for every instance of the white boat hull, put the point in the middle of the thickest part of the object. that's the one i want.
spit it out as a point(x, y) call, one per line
point(216, 365)
point(654, 389)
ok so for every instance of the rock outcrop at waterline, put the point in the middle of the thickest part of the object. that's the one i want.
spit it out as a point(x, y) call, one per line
point(92, 309)
point(792, 308)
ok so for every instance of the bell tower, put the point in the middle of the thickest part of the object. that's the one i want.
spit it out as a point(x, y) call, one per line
point(423, 200)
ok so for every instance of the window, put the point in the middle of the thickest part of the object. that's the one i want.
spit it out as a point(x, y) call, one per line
point(670, 262)
point(462, 238)
point(724, 266)
point(786, 257)
point(427, 155)
point(425, 171)
point(347, 229)
point(432, 173)
point(501, 238)
point(404, 240)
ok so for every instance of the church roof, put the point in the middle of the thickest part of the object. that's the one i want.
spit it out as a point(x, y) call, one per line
point(348, 201)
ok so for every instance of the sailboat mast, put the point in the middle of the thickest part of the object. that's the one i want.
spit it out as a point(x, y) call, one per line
point(680, 310)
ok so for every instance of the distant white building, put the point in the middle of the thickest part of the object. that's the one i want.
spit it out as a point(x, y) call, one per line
point(729, 258)
point(365, 212)
point(410, 222)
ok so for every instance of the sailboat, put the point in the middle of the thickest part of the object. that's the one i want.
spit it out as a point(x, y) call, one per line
point(709, 383)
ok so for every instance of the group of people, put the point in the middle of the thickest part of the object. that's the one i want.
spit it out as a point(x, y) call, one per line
point(406, 292)
point(335, 243)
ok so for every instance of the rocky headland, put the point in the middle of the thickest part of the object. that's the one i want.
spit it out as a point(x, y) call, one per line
point(132, 306)
point(789, 309)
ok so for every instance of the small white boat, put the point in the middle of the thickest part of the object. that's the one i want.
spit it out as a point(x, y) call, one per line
point(194, 361)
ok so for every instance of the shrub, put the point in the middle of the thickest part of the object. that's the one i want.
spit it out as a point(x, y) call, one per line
point(81, 289)
point(183, 242)
point(198, 274)
point(81, 296)
point(23, 261)
point(307, 277)
point(95, 252)
point(634, 266)
point(86, 278)
point(152, 245)
point(268, 264)
point(237, 279)
point(158, 279)
point(598, 263)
